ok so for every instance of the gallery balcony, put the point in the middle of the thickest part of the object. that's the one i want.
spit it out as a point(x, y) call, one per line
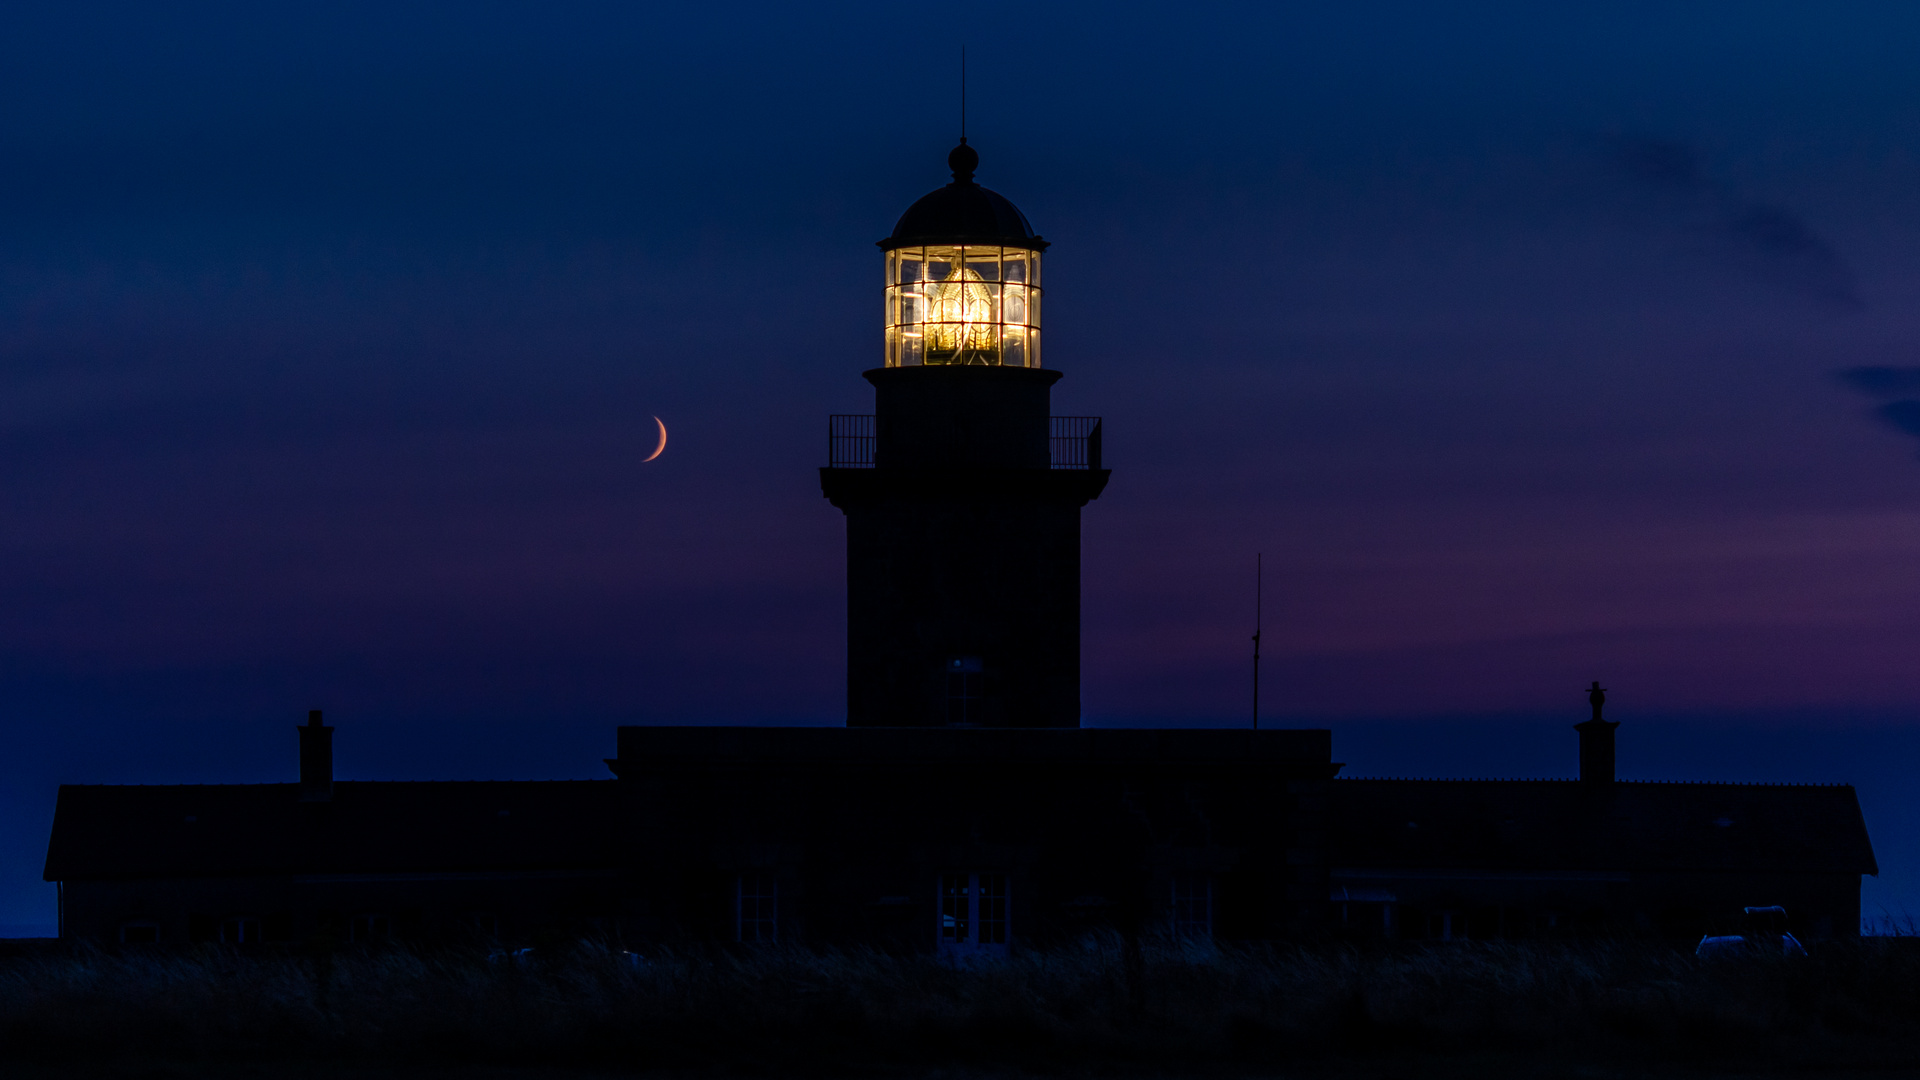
point(1073, 441)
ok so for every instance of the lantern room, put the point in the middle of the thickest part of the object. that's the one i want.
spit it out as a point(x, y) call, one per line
point(963, 278)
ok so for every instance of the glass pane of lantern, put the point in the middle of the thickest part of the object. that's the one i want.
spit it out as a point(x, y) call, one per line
point(984, 262)
point(910, 264)
point(1015, 305)
point(1013, 352)
point(1033, 268)
point(911, 348)
point(1033, 348)
point(1014, 268)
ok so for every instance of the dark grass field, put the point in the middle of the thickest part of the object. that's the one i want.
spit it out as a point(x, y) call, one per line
point(1458, 1010)
point(1406, 1067)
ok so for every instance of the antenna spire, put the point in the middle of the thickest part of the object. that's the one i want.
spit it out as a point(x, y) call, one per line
point(963, 94)
point(963, 160)
point(1256, 638)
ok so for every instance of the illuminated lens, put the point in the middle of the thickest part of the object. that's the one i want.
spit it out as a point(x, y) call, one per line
point(962, 305)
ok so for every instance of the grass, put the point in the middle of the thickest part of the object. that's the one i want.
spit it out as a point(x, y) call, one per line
point(1853, 1005)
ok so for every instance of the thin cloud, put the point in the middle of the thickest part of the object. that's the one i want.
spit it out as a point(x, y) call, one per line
point(1902, 413)
point(1794, 254)
point(1881, 381)
point(1772, 242)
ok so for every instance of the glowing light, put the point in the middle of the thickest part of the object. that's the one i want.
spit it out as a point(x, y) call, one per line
point(963, 305)
point(960, 321)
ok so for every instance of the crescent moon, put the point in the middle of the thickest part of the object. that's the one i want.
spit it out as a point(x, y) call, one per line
point(661, 449)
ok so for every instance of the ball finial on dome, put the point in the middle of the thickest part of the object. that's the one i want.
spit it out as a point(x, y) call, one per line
point(963, 160)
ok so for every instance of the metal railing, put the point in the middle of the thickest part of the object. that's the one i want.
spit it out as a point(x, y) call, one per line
point(850, 441)
point(1073, 441)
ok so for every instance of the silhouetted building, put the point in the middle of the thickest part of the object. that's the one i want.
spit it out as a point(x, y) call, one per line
point(1527, 858)
point(962, 808)
point(354, 860)
point(953, 839)
point(972, 839)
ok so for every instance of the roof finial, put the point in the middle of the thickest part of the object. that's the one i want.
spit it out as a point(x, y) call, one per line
point(963, 161)
point(1597, 697)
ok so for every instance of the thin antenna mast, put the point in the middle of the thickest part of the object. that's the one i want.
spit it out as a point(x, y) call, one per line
point(1257, 583)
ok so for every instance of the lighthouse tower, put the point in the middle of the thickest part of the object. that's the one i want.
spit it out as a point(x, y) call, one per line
point(962, 492)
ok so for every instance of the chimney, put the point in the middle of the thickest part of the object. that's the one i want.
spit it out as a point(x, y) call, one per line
point(1596, 741)
point(316, 760)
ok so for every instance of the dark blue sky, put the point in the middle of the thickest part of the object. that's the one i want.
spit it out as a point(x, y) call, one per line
point(1530, 346)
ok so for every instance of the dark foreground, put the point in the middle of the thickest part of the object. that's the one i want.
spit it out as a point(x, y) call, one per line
point(1461, 1010)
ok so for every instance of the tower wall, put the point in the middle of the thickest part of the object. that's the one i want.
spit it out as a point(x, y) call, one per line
point(962, 417)
point(963, 555)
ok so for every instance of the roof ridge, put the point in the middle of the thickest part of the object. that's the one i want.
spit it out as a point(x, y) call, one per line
point(1467, 779)
point(1575, 780)
point(296, 783)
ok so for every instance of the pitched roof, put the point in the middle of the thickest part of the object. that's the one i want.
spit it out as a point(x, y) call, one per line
point(369, 827)
point(1570, 825)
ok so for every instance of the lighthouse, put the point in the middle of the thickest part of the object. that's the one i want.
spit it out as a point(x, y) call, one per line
point(962, 492)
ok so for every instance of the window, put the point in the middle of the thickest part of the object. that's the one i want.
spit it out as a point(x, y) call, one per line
point(369, 928)
point(973, 912)
point(1192, 908)
point(1364, 912)
point(756, 909)
point(140, 932)
point(963, 690)
point(240, 931)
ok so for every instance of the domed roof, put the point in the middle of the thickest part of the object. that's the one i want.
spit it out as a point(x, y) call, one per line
point(963, 212)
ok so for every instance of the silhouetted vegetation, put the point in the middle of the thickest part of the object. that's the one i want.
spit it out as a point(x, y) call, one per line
point(791, 1010)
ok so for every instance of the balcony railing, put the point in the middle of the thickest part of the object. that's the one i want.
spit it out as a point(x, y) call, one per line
point(850, 441)
point(1074, 441)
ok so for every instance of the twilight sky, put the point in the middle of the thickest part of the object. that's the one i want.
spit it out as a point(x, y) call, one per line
point(1531, 347)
